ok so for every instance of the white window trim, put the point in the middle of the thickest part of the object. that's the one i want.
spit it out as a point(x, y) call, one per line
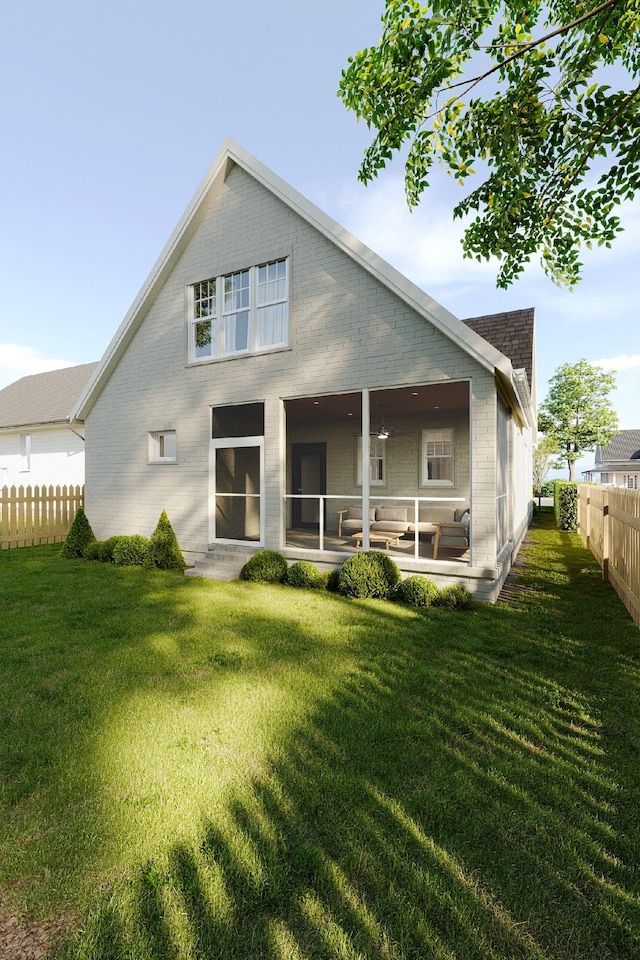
point(424, 475)
point(218, 320)
point(157, 441)
point(382, 458)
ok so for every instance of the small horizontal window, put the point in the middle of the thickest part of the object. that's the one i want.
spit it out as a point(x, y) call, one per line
point(162, 446)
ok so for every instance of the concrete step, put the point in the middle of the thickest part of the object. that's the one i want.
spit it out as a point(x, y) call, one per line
point(222, 562)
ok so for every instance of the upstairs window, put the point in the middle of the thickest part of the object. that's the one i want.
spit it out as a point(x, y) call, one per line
point(437, 456)
point(242, 312)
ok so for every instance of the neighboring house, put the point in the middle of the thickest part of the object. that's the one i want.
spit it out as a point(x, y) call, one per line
point(617, 462)
point(268, 356)
point(38, 446)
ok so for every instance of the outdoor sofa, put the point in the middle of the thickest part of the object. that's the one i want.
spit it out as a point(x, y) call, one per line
point(400, 520)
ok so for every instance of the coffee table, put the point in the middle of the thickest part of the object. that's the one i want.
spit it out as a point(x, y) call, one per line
point(377, 536)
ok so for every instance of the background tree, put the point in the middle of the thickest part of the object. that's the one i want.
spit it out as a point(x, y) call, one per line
point(543, 454)
point(558, 148)
point(577, 413)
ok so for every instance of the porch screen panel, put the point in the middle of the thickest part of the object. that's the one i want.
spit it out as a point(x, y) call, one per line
point(237, 508)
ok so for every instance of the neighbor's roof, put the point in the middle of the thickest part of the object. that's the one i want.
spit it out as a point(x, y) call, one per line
point(624, 446)
point(43, 397)
point(232, 155)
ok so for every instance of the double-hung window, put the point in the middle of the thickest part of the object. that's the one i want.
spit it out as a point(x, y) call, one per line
point(242, 312)
point(376, 461)
point(437, 456)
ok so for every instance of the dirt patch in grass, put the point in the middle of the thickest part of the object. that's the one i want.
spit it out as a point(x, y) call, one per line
point(34, 940)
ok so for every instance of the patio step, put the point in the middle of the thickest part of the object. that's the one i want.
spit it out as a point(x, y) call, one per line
point(222, 562)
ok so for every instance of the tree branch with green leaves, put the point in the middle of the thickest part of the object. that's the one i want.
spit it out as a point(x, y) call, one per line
point(556, 146)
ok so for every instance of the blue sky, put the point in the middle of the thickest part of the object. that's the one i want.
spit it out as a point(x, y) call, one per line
point(111, 115)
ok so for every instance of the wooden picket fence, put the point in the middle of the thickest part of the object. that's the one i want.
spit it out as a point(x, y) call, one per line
point(35, 515)
point(609, 522)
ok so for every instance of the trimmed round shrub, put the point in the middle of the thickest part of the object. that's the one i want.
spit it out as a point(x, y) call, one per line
point(368, 574)
point(92, 550)
point(455, 597)
point(79, 537)
point(107, 547)
point(331, 580)
point(131, 551)
point(164, 550)
point(303, 573)
point(390, 569)
point(416, 591)
point(267, 566)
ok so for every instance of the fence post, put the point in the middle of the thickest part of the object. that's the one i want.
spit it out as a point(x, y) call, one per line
point(605, 536)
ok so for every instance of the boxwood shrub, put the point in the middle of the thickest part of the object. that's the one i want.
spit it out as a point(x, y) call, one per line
point(79, 537)
point(164, 550)
point(369, 574)
point(454, 597)
point(331, 580)
point(267, 566)
point(92, 550)
point(131, 551)
point(416, 591)
point(303, 573)
point(107, 547)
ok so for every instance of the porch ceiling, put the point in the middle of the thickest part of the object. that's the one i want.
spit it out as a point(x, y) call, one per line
point(401, 401)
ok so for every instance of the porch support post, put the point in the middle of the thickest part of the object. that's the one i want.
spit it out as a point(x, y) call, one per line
point(364, 457)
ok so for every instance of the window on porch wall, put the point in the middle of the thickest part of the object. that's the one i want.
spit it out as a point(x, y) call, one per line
point(377, 450)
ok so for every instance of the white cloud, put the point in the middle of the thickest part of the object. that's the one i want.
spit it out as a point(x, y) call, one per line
point(17, 361)
point(623, 361)
point(424, 244)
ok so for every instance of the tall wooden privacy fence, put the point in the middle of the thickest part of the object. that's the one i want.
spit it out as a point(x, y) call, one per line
point(34, 515)
point(609, 522)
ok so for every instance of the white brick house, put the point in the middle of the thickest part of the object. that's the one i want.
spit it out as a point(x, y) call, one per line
point(245, 389)
point(38, 447)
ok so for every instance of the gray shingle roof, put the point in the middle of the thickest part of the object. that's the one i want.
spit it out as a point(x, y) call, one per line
point(512, 333)
point(43, 397)
point(624, 446)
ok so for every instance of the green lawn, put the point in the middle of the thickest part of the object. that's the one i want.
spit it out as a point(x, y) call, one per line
point(192, 769)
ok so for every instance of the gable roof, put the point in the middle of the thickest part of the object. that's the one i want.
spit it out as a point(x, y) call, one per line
point(624, 446)
point(230, 155)
point(43, 397)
